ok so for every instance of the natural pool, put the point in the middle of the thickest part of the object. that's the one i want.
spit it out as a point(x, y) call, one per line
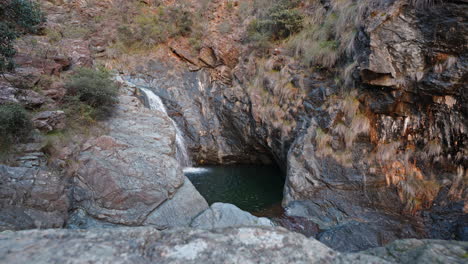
point(252, 188)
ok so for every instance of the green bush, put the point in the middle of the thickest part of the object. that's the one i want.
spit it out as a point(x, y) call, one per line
point(182, 20)
point(95, 89)
point(7, 35)
point(14, 123)
point(279, 22)
point(16, 17)
point(23, 15)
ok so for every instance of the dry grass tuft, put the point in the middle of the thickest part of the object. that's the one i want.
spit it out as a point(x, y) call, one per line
point(327, 35)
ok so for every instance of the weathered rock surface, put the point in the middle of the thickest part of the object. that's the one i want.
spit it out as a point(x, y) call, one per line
point(447, 219)
point(28, 153)
point(180, 210)
point(230, 245)
point(80, 52)
point(49, 120)
point(32, 65)
point(221, 215)
point(148, 245)
point(28, 98)
point(355, 227)
point(422, 251)
point(131, 176)
point(31, 198)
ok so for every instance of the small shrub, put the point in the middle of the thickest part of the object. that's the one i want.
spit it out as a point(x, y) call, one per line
point(16, 17)
point(225, 28)
point(182, 19)
point(281, 21)
point(329, 31)
point(75, 31)
point(95, 89)
point(149, 30)
point(53, 36)
point(7, 35)
point(198, 31)
point(125, 35)
point(14, 123)
point(23, 15)
point(245, 9)
point(195, 43)
point(261, 42)
point(229, 6)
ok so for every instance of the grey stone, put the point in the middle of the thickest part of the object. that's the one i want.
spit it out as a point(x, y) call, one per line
point(179, 211)
point(28, 98)
point(221, 215)
point(49, 120)
point(31, 198)
point(31, 99)
point(410, 251)
point(129, 174)
point(352, 236)
point(7, 94)
point(148, 245)
point(32, 160)
point(80, 220)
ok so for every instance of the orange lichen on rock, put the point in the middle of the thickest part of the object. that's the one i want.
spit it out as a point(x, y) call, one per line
point(414, 191)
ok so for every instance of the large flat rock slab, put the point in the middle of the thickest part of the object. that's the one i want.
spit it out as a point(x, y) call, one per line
point(148, 245)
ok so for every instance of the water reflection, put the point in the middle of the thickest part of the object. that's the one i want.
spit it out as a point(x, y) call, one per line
point(250, 187)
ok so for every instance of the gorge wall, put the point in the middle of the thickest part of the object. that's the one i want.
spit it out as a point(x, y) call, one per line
point(384, 148)
point(372, 137)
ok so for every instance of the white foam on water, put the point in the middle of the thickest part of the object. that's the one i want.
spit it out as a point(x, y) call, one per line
point(196, 170)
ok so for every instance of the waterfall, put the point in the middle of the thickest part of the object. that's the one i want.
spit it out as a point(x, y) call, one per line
point(155, 103)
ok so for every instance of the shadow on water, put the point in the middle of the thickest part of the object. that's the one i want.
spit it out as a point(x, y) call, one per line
point(257, 189)
point(252, 188)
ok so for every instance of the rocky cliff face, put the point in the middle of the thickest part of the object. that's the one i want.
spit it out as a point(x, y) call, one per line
point(377, 156)
point(383, 153)
point(401, 137)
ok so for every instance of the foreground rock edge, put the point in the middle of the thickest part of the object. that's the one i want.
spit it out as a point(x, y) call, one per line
point(229, 245)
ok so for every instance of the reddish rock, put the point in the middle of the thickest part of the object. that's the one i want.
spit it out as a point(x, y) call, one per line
point(79, 51)
point(49, 120)
point(208, 57)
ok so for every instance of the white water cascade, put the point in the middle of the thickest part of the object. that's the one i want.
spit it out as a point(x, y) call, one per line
point(155, 103)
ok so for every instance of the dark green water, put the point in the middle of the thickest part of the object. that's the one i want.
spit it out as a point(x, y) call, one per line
point(250, 187)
